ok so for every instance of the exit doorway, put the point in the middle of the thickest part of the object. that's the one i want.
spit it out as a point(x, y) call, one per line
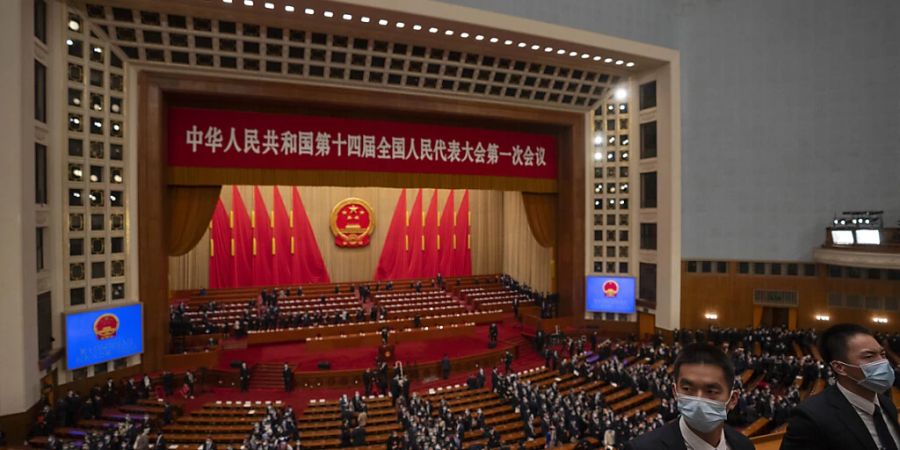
point(775, 317)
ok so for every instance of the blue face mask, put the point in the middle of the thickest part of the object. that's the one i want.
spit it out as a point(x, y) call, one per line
point(878, 376)
point(702, 414)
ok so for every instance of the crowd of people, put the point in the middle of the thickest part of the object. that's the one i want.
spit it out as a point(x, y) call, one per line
point(546, 411)
point(276, 431)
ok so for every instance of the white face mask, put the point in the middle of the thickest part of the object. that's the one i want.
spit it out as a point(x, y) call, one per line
point(702, 414)
point(878, 376)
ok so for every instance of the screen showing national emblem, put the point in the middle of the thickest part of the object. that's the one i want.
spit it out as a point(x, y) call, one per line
point(98, 336)
point(609, 294)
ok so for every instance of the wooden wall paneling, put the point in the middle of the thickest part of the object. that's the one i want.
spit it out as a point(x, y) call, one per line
point(731, 297)
point(152, 257)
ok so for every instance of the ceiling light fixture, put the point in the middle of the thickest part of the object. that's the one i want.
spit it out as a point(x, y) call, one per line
point(479, 37)
point(382, 22)
point(400, 24)
point(328, 14)
point(629, 64)
point(417, 27)
point(463, 35)
point(494, 40)
point(432, 30)
point(365, 19)
point(347, 17)
point(507, 42)
point(289, 8)
point(309, 11)
point(269, 5)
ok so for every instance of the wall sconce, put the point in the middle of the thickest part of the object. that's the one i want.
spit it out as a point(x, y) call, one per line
point(711, 316)
point(880, 319)
point(823, 318)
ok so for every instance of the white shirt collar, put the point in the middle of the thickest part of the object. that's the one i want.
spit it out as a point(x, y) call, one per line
point(694, 442)
point(858, 402)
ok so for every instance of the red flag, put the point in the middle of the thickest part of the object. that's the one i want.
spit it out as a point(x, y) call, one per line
point(307, 265)
point(415, 238)
point(221, 261)
point(392, 264)
point(462, 261)
point(281, 262)
point(243, 241)
point(445, 239)
point(431, 260)
point(263, 242)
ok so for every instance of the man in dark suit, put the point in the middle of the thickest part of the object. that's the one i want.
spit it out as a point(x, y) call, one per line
point(856, 412)
point(287, 376)
point(445, 367)
point(704, 380)
point(245, 377)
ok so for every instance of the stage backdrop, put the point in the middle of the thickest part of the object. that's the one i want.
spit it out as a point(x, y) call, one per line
point(501, 239)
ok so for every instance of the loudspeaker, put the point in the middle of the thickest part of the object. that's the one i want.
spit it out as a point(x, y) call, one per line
point(235, 364)
point(324, 365)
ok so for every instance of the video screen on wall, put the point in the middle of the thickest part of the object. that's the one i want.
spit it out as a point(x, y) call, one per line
point(101, 335)
point(842, 237)
point(868, 237)
point(610, 294)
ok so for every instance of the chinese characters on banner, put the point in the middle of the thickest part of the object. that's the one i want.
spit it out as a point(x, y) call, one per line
point(240, 139)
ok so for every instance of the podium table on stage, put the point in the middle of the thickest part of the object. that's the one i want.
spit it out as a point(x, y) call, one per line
point(386, 353)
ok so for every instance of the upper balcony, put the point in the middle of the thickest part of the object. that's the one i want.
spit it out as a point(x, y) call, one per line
point(868, 248)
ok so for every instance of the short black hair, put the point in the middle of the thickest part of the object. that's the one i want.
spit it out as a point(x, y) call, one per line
point(833, 341)
point(703, 353)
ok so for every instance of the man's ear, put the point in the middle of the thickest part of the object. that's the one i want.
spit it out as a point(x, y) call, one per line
point(732, 402)
point(838, 368)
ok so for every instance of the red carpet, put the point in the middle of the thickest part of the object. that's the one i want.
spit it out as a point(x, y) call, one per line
point(509, 332)
point(361, 358)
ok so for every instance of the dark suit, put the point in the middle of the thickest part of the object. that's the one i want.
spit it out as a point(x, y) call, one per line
point(669, 436)
point(829, 421)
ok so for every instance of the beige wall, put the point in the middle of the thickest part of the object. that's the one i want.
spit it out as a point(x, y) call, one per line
point(494, 214)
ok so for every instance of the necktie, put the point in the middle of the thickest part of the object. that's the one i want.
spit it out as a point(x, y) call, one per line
point(887, 441)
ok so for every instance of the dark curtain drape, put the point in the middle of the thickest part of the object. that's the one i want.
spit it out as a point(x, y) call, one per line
point(190, 210)
point(541, 212)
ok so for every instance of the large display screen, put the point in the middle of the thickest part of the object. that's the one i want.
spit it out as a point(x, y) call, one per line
point(842, 237)
point(868, 237)
point(609, 294)
point(97, 336)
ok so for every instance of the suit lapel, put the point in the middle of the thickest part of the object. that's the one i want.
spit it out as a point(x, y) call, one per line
point(846, 414)
point(888, 408)
point(673, 438)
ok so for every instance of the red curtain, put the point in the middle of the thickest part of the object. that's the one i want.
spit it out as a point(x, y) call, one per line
point(221, 260)
point(430, 264)
point(392, 264)
point(462, 264)
point(445, 239)
point(243, 238)
point(281, 260)
point(307, 265)
point(415, 238)
point(262, 241)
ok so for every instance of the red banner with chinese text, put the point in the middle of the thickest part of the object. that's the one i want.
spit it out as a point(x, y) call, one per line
point(241, 139)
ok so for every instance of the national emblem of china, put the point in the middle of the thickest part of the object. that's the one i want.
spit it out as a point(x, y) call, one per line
point(611, 289)
point(352, 223)
point(106, 326)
